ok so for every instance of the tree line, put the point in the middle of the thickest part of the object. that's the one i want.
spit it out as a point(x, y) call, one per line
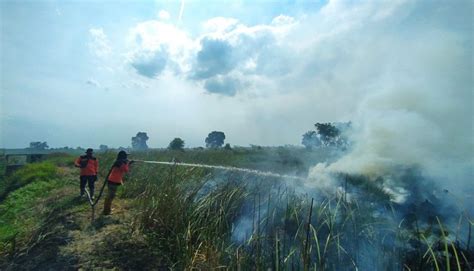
point(214, 139)
point(325, 134)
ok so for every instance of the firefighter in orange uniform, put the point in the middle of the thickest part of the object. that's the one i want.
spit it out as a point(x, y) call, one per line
point(115, 179)
point(89, 166)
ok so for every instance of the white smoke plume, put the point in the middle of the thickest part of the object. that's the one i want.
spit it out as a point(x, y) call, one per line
point(415, 108)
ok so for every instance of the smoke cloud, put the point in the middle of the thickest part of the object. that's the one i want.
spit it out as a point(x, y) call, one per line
point(417, 110)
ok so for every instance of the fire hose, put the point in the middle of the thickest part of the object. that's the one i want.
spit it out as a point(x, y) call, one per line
point(93, 202)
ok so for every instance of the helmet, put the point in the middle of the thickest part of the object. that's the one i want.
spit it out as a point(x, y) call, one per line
point(122, 155)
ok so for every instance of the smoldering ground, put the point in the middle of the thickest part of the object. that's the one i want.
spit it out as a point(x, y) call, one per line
point(380, 234)
point(358, 221)
point(379, 220)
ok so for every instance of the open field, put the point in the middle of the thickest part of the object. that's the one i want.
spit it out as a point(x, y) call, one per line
point(329, 135)
point(173, 217)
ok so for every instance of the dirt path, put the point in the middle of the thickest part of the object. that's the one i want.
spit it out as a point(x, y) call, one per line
point(90, 242)
point(65, 238)
point(74, 242)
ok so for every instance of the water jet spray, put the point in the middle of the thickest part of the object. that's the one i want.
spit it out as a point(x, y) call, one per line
point(227, 168)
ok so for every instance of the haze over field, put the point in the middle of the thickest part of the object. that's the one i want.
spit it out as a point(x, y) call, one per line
point(398, 69)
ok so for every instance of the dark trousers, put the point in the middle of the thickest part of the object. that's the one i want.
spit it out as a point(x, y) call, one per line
point(90, 180)
point(111, 191)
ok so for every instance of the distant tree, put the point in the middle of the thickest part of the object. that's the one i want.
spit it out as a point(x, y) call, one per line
point(139, 141)
point(103, 147)
point(215, 139)
point(227, 147)
point(311, 140)
point(328, 133)
point(37, 145)
point(176, 144)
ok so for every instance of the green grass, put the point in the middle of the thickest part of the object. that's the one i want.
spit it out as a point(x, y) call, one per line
point(25, 205)
point(2, 172)
point(61, 159)
point(278, 159)
point(30, 222)
point(36, 172)
point(191, 218)
point(19, 212)
point(190, 229)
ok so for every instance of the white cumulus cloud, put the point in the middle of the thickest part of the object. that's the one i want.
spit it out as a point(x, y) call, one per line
point(99, 44)
point(159, 45)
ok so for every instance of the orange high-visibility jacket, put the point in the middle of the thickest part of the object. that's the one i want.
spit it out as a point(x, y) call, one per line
point(117, 173)
point(92, 166)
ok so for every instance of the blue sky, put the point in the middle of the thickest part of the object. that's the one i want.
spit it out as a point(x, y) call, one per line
point(84, 73)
